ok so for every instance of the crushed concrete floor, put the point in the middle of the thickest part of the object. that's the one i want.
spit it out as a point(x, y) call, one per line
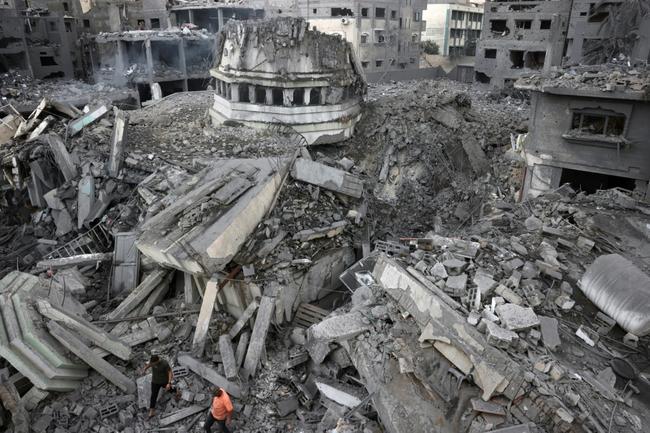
point(392, 283)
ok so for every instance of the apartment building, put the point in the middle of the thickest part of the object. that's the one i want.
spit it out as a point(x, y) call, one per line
point(38, 40)
point(520, 38)
point(454, 27)
point(385, 34)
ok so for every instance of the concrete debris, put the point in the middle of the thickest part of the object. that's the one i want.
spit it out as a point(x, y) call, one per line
point(327, 177)
point(464, 318)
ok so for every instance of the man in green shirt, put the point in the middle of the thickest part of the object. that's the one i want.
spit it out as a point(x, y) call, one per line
point(161, 377)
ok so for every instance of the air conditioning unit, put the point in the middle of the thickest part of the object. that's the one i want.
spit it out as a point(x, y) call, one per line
point(345, 21)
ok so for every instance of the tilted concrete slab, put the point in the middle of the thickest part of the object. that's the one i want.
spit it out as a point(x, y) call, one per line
point(139, 294)
point(239, 193)
point(327, 177)
point(493, 371)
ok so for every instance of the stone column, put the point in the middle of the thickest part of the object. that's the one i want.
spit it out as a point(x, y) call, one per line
point(234, 92)
point(323, 95)
point(229, 91)
point(251, 93)
point(287, 97)
point(269, 95)
point(149, 56)
point(307, 97)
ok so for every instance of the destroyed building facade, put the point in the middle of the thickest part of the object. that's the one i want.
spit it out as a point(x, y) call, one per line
point(589, 129)
point(280, 72)
point(520, 38)
point(385, 35)
point(39, 41)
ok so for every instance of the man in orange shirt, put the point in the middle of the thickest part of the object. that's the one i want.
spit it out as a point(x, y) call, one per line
point(220, 411)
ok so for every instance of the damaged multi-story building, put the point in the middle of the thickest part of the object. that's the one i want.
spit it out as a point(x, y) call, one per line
point(520, 38)
point(280, 72)
point(589, 129)
point(385, 35)
point(40, 40)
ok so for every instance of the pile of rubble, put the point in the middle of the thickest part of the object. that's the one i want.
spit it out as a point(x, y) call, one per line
point(605, 78)
point(388, 284)
point(24, 92)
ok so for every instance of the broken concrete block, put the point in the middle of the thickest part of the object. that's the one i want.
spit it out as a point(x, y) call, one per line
point(484, 282)
point(243, 319)
point(138, 294)
point(209, 374)
point(564, 302)
point(85, 198)
point(287, 406)
point(550, 334)
point(339, 396)
point(533, 224)
point(96, 335)
point(228, 357)
point(180, 415)
point(330, 231)
point(201, 240)
point(118, 142)
point(517, 318)
point(438, 270)
point(143, 385)
point(258, 336)
point(508, 294)
point(499, 337)
point(76, 346)
point(62, 158)
point(205, 315)
point(336, 328)
point(242, 346)
point(327, 177)
point(456, 284)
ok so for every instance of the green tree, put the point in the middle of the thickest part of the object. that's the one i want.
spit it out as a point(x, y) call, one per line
point(430, 47)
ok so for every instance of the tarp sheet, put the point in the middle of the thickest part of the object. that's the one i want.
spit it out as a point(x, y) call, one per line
point(621, 290)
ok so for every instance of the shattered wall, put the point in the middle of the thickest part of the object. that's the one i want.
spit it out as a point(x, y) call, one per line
point(601, 31)
point(385, 35)
point(568, 132)
point(520, 38)
point(278, 71)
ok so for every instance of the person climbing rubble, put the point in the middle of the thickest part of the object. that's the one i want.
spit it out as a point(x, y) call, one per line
point(161, 377)
point(220, 411)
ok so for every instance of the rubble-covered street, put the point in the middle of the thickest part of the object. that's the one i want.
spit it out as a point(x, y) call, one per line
point(403, 280)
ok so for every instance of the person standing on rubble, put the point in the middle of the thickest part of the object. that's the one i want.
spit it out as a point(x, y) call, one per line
point(161, 377)
point(220, 411)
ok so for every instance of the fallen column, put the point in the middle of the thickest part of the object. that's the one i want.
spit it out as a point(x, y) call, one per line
point(209, 374)
point(258, 337)
point(138, 294)
point(243, 319)
point(242, 345)
point(62, 157)
point(118, 139)
point(87, 329)
point(228, 357)
point(203, 323)
point(79, 260)
point(76, 346)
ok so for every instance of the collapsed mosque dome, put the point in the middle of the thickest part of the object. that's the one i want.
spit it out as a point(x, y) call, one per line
point(278, 72)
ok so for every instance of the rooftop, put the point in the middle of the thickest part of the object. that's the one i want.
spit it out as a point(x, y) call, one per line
point(601, 81)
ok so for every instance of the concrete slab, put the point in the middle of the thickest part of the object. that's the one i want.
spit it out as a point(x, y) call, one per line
point(258, 337)
point(205, 315)
point(139, 294)
point(227, 352)
point(517, 318)
point(204, 242)
point(327, 177)
point(209, 374)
